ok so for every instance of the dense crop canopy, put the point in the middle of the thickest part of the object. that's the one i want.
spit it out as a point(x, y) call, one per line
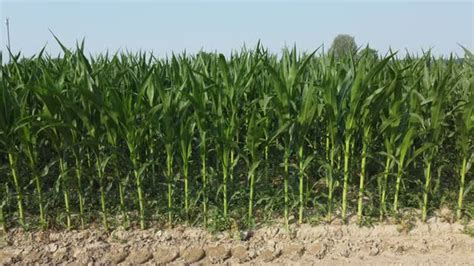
point(210, 139)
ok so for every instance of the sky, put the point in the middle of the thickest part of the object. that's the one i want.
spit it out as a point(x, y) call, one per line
point(164, 27)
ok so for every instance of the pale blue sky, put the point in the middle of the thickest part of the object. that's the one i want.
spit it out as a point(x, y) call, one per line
point(174, 26)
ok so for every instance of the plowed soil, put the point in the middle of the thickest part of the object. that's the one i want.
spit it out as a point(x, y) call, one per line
point(434, 243)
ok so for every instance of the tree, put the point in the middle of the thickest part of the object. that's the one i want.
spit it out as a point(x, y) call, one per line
point(369, 52)
point(343, 45)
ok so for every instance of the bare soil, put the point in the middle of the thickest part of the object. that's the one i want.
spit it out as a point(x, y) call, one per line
point(433, 243)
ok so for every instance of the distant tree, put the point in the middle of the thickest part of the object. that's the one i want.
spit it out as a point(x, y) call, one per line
point(343, 45)
point(369, 52)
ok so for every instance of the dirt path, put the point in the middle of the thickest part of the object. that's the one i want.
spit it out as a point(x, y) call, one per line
point(433, 243)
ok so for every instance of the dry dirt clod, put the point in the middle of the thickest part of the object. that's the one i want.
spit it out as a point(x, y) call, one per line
point(5, 258)
point(81, 257)
point(338, 234)
point(139, 257)
point(271, 245)
point(28, 249)
point(217, 254)
point(240, 254)
point(165, 255)
point(317, 250)
point(59, 256)
point(374, 251)
point(81, 235)
point(268, 255)
point(52, 247)
point(444, 244)
point(399, 250)
point(424, 248)
point(294, 251)
point(54, 236)
point(116, 257)
point(97, 245)
point(3, 242)
point(446, 215)
point(32, 257)
point(192, 255)
point(345, 252)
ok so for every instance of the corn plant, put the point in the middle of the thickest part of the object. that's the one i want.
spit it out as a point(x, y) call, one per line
point(9, 119)
point(304, 120)
point(354, 89)
point(199, 101)
point(286, 80)
point(436, 86)
point(465, 127)
point(95, 138)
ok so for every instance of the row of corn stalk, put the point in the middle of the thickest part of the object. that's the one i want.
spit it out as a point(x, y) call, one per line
point(132, 139)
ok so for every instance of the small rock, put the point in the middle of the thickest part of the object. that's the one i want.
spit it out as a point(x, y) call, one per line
point(192, 255)
point(239, 253)
point(116, 257)
point(165, 255)
point(245, 235)
point(217, 254)
point(139, 257)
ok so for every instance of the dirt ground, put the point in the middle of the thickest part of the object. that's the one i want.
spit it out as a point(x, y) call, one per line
point(434, 243)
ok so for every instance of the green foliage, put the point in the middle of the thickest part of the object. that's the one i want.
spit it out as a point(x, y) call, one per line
point(233, 141)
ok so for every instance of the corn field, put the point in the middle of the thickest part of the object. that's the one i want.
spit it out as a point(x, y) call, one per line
point(133, 140)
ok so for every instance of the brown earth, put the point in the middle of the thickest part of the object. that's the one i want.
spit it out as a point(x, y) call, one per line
point(434, 243)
